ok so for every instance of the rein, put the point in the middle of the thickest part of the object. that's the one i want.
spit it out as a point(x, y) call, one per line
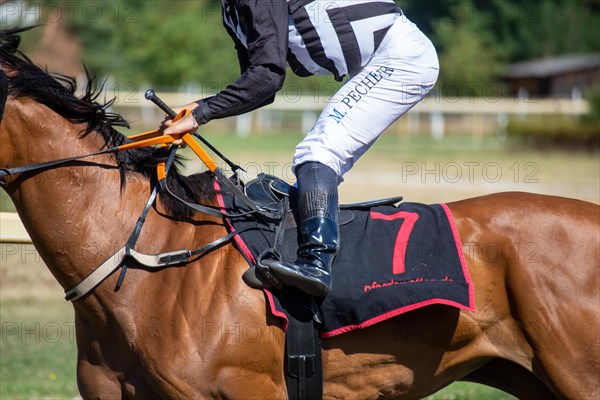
point(145, 139)
point(6, 172)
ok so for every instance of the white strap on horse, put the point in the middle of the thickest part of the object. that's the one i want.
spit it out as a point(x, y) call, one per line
point(109, 266)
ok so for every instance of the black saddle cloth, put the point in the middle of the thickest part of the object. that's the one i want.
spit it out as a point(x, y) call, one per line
point(392, 259)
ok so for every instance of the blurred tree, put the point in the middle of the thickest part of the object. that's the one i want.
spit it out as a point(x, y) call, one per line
point(524, 28)
point(426, 13)
point(171, 43)
point(593, 97)
point(471, 59)
point(541, 28)
point(166, 43)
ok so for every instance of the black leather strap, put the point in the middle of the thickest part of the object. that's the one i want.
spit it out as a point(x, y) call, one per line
point(4, 172)
point(390, 201)
point(303, 358)
point(140, 222)
point(205, 209)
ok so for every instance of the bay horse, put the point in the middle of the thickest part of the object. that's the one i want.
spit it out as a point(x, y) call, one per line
point(199, 332)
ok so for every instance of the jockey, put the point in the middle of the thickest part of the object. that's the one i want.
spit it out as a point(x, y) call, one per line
point(389, 66)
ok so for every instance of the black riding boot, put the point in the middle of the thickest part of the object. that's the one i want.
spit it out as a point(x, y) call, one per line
point(319, 231)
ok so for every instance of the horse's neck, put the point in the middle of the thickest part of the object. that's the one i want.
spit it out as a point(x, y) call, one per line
point(77, 216)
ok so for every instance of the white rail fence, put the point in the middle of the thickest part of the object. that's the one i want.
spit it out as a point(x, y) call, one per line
point(435, 115)
point(12, 230)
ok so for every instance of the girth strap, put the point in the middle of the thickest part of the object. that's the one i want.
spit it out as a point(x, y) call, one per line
point(303, 357)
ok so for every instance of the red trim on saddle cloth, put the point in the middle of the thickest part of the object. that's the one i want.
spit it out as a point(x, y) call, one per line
point(248, 255)
point(425, 303)
point(274, 309)
point(461, 255)
point(392, 314)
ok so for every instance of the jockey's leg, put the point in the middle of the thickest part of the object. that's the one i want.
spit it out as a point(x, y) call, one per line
point(319, 231)
point(400, 73)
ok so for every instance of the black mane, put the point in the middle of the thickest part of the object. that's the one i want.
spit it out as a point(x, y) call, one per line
point(57, 92)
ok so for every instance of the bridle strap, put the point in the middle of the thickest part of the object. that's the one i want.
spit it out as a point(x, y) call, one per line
point(145, 139)
point(109, 266)
point(5, 172)
point(130, 245)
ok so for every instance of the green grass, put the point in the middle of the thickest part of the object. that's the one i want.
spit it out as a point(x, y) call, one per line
point(6, 204)
point(470, 391)
point(37, 350)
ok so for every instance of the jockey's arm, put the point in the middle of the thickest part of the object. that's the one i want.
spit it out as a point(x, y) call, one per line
point(263, 65)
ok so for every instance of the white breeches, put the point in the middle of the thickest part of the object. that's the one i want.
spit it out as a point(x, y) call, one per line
point(400, 73)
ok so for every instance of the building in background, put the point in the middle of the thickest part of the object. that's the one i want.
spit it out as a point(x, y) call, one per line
point(567, 76)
